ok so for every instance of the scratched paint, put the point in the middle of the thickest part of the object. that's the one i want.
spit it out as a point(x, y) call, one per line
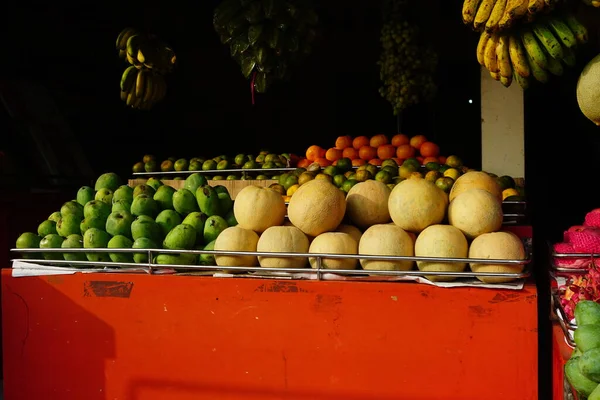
point(280, 287)
point(107, 289)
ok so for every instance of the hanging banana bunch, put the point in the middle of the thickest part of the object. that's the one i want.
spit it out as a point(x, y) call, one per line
point(143, 83)
point(266, 37)
point(534, 52)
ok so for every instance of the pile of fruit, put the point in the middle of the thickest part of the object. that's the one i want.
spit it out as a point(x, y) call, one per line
point(582, 370)
point(143, 83)
point(265, 160)
point(149, 216)
point(406, 65)
point(524, 40)
point(266, 37)
point(416, 218)
point(390, 162)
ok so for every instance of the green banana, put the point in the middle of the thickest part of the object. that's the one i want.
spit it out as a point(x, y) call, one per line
point(123, 37)
point(569, 58)
point(578, 29)
point(533, 49)
point(128, 78)
point(555, 67)
point(562, 32)
point(539, 73)
point(548, 40)
point(133, 45)
point(140, 83)
point(521, 80)
point(124, 95)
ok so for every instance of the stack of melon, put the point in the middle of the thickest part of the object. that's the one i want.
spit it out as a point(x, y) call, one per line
point(416, 218)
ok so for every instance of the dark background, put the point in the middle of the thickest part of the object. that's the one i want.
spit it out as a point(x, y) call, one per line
point(63, 122)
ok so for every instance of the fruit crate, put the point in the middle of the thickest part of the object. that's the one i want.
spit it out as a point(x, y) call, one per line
point(317, 272)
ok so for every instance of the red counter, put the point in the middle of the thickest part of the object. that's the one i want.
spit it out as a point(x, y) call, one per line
point(140, 337)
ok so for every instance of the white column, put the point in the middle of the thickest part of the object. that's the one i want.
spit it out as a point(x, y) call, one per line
point(502, 128)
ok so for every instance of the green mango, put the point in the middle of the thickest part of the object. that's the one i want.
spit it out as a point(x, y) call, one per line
point(595, 395)
point(230, 218)
point(207, 259)
point(181, 237)
point(589, 364)
point(580, 383)
point(226, 203)
point(587, 337)
point(208, 200)
point(587, 312)
point(176, 259)
point(213, 227)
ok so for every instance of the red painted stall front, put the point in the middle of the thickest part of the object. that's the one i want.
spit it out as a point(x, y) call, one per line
point(141, 337)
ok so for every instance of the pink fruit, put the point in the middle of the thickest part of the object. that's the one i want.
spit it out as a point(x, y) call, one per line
point(592, 218)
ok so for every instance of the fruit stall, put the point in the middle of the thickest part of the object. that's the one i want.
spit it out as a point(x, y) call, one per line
point(371, 266)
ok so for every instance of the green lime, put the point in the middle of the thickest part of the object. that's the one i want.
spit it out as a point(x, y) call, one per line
point(290, 181)
point(218, 178)
point(372, 169)
point(412, 161)
point(260, 158)
point(269, 165)
point(232, 178)
point(344, 164)
point(384, 177)
point(392, 170)
point(299, 171)
point(339, 180)
point(282, 178)
point(363, 175)
point(445, 183)
point(330, 170)
point(389, 163)
point(209, 165)
point(223, 164)
point(443, 168)
point(305, 177)
point(261, 177)
point(247, 165)
point(346, 186)
point(432, 166)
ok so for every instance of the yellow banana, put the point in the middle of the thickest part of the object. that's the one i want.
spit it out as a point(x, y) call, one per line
point(518, 57)
point(128, 78)
point(497, 12)
point(130, 98)
point(535, 6)
point(495, 75)
point(483, 39)
point(505, 81)
point(469, 10)
point(483, 13)
point(503, 57)
point(533, 49)
point(124, 95)
point(149, 90)
point(522, 81)
point(129, 59)
point(123, 37)
point(518, 9)
point(140, 84)
point(140, 57)
point(490, 60)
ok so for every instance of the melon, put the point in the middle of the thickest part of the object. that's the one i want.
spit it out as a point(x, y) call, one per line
point(367, 204)
point(282, 239)
point(350, 230)
point(415, 204)
point(258, 208)
point(441, 241)
point(475, 212)
point(386, 240)
point(588, 90)
point(475, 180)
point(236, 238)
point(334, 243)
point(497, 246)
point(317, 207)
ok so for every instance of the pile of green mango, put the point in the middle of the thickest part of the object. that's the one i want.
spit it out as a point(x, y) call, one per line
point(266, 36)
point(148, 216)
point(583, 368)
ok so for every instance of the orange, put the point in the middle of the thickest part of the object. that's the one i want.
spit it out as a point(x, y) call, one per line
point(360, 141)
point(303, 163)
point(386, 151)
point(420, 159)
point(399, 140)
point(417, 141)
point(313, 152)
point(357, 162)
point(442, 159)
point(430, 159)
point(399, 161)
point(429, 149)
point(350, 152)
point(378, 140)
point(333, 154)
point(343, 142)
point(334, 163)
point(375, 161)
point(405, 151)
point(323, 162)
point(322, 153)
point(367, 153)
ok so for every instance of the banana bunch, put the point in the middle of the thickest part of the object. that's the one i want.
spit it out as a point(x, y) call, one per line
point(499, 15)
point(145, 51)
point(592, 3)
point(142, 88)
point(265, 37)
point(534, 52)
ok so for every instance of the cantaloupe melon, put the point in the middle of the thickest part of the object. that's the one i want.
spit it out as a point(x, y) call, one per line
point(350, 230)
point(415, 204)
point(334, 243)
point(386, 240)
point(236, 238)
point(588, 90)
point(497, 246)
point(475, 180)
point(367, 204)
point(283, 239)
point(441, 241)
point(475, 212)
point(316, 207)
point(258, 208)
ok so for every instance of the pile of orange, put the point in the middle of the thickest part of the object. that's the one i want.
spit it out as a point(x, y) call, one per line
point(374, 150)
